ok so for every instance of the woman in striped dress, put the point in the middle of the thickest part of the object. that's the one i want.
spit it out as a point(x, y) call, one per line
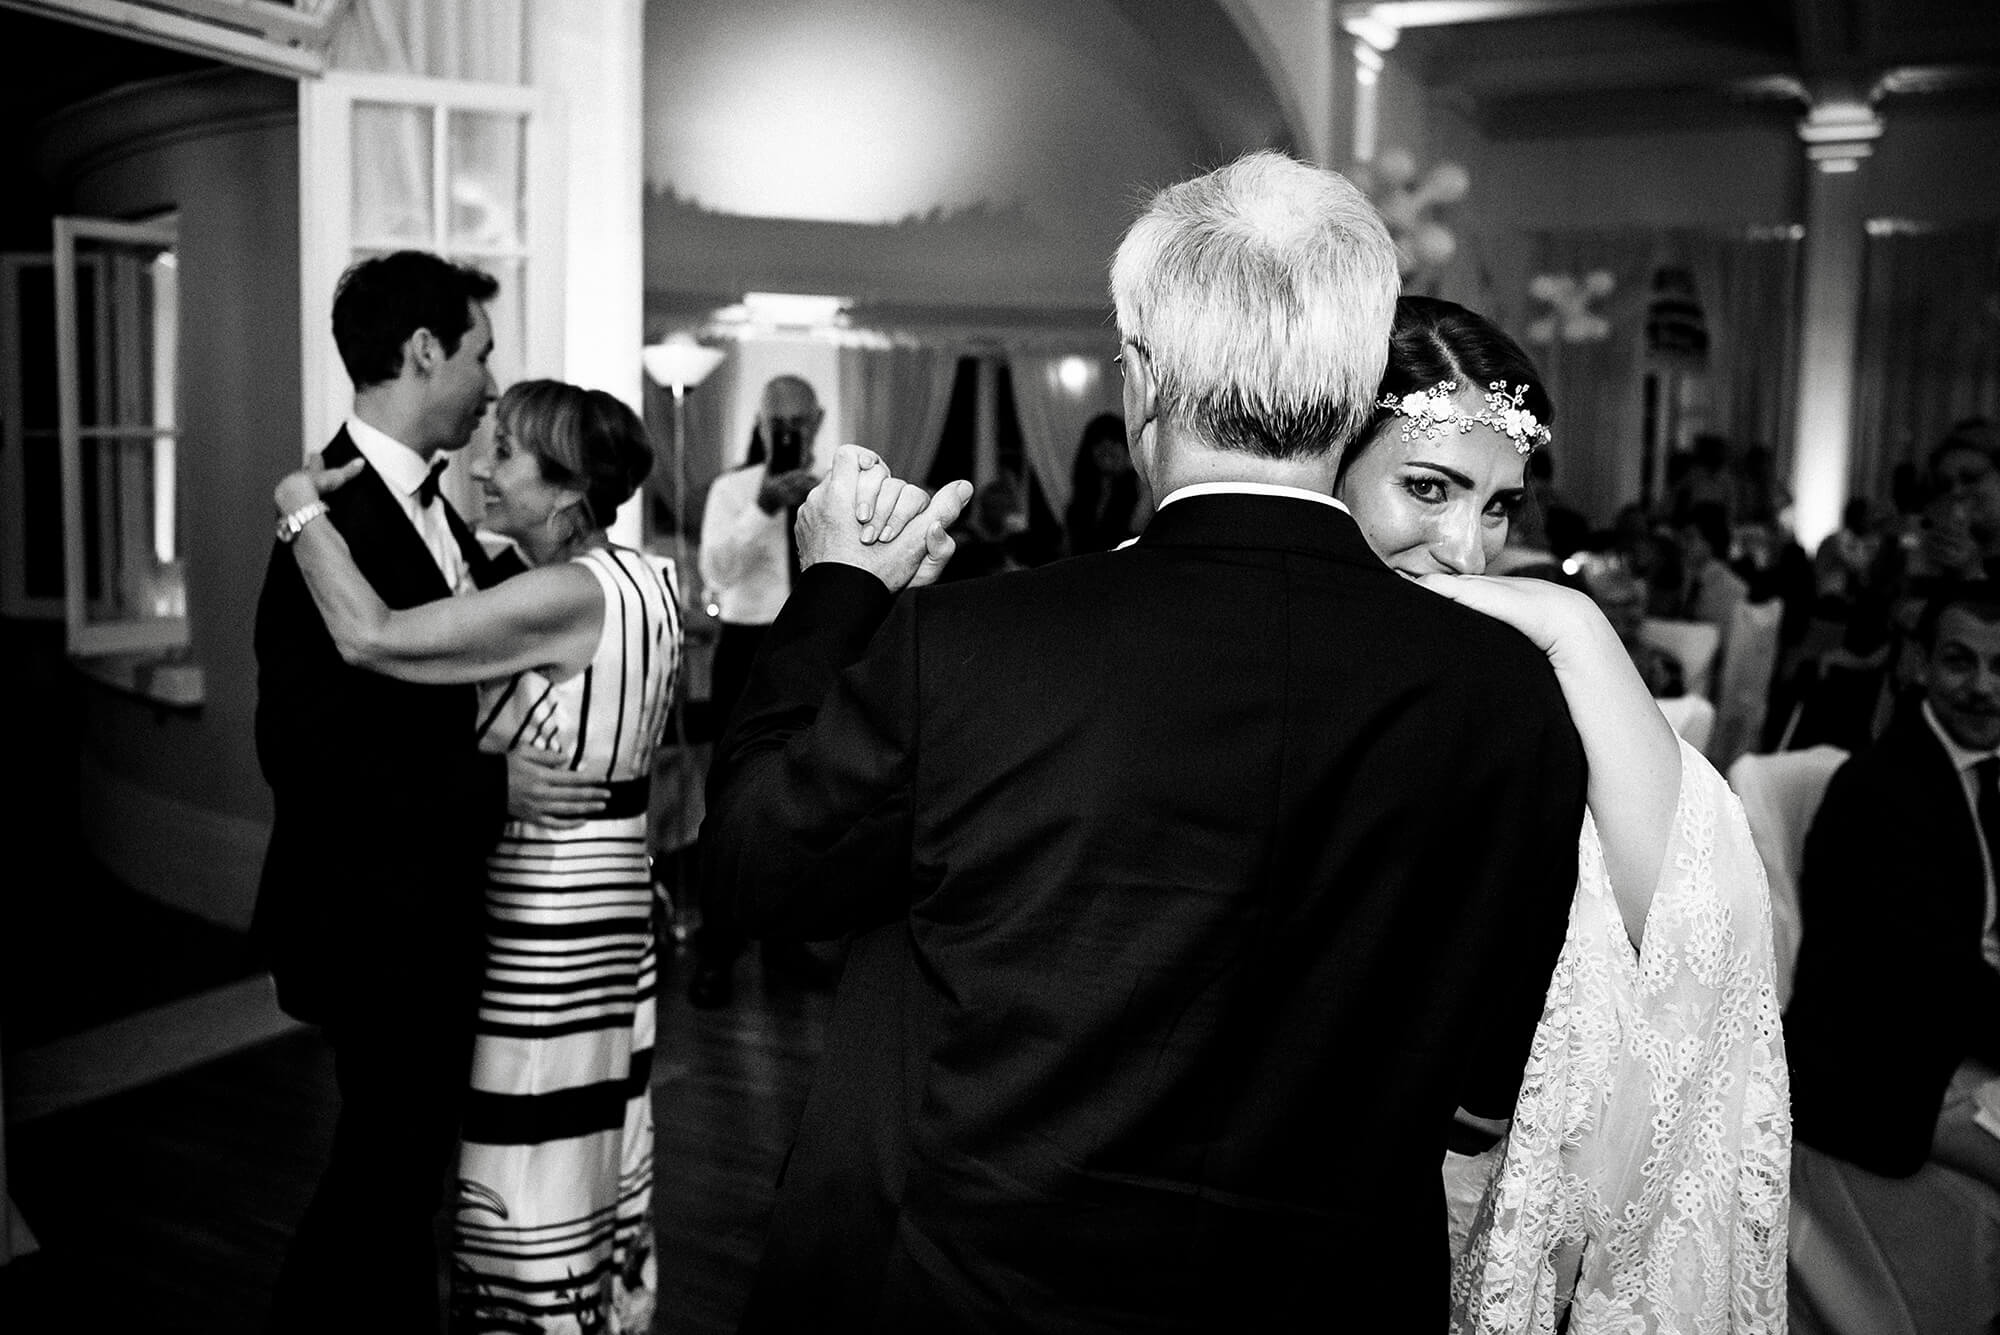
point(578, 656)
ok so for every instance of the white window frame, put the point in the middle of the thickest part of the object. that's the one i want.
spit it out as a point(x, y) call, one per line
point(90, 637)
point(327, 244)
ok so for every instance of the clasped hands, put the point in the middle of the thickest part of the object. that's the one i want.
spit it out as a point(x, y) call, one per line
point(864, 516)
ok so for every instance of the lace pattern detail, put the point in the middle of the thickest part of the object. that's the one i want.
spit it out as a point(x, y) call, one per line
point(1646, 1172)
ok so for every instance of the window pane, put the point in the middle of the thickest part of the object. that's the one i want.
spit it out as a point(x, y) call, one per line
point(130, 573)
point(508, 311)
point(131, 578)
point(392, 175)
point(483, 165)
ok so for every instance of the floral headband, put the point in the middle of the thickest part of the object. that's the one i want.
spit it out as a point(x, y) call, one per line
point(1430, 413)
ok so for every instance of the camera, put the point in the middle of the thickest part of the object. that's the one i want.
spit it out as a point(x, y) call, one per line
point(787, 449)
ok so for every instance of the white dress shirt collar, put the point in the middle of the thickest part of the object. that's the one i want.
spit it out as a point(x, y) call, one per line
point(400, 466)
point(1248, 489)
point(1961, 759)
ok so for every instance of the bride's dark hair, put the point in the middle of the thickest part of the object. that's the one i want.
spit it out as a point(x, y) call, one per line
point(1433, 340)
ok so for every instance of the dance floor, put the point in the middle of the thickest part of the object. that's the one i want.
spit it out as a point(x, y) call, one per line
point(165, 1207)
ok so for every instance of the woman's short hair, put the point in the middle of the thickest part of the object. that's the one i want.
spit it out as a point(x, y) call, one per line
point(583, 438)
point(1260, 296)
point(1433, 341)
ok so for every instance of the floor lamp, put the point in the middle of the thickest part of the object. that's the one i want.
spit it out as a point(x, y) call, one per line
point(678, 365)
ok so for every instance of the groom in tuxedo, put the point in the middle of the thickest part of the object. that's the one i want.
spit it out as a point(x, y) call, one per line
point(383, 809)
point(1198, 882)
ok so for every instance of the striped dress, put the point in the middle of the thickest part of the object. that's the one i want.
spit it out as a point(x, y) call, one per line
point(554, 1227)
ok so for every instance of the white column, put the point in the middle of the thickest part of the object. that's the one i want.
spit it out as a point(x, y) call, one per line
point(1838, 136)
point(1369, 39)
point(592, 57)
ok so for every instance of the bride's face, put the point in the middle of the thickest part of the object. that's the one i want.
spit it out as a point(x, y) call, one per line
point(1437, 506)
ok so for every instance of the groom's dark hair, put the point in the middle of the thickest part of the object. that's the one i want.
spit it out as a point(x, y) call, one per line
point(380, 302)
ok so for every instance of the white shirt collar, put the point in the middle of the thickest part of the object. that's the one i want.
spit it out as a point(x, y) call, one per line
point(1961, 759)
point(400, 466)
point(1247, 489)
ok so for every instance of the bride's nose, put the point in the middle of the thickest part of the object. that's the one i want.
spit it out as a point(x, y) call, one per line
point(1459, 547)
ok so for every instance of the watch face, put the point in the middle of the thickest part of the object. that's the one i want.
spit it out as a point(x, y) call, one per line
point(285, 529)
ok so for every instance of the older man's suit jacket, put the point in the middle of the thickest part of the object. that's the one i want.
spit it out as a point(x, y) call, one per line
point(1200, 881)
point(1892, 992)
point(383, 807)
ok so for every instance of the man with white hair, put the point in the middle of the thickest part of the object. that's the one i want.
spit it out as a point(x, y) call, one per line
point(1198, 882)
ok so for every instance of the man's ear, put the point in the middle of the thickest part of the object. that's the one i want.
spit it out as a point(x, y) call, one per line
point(1141, 403)
point(423, 352)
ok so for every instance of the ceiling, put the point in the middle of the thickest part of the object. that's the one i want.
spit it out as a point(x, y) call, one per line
point(1523, 68)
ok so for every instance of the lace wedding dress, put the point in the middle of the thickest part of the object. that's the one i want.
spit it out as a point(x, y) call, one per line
point(1645, 1174)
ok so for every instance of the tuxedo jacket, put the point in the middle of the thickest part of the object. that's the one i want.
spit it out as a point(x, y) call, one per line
point(1198, 883)
point(1892, 991)
point(383, 808)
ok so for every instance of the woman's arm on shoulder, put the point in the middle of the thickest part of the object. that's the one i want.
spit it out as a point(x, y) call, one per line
point(1633, 755)
point(547, 618)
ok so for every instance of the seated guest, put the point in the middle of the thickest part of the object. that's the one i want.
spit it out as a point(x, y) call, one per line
point(1960, 533)
point(1848, 562)
point(1898, 977)
point(1710, 590)
point(1622, 599)
point(989, 534)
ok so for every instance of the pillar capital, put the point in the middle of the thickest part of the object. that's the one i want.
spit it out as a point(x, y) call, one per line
point(1839, 133)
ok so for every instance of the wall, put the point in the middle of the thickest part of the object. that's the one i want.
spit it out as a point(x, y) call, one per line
point(173, 799)
point(931, 151)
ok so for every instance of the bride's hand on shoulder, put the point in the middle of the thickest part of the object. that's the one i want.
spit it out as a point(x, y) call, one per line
point(1559, 620)
point(314, 481)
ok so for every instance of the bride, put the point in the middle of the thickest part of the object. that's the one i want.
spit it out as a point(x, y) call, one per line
point(1642, 1184)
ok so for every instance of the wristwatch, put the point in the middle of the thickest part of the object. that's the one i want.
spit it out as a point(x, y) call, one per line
point(289, 526)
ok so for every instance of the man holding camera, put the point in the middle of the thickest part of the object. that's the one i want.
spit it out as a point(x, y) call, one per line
point(748, 563)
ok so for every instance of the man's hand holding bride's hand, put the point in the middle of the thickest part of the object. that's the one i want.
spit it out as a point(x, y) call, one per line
point(312, 482)
point(1563, 623)
point(864, 516)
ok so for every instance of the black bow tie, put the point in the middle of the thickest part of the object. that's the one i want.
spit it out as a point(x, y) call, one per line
point(427, 490)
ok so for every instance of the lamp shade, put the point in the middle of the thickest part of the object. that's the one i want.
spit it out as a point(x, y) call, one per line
point(680, 363)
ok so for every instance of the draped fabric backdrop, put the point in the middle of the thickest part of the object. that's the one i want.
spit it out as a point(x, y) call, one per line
point(1748, 285)
point(894, 400)
point(480, 40)
point(1600, 411)
point(1930, 344)
point(1052, 414)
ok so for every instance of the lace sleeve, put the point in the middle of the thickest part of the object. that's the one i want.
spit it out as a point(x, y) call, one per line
point(1647, 1166)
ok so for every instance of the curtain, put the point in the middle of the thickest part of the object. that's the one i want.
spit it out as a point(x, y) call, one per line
point(894, 398)
point(1596, 385)
point(1056, 393)
point(1929, 352)
point(480, 40)
point(1748, 285)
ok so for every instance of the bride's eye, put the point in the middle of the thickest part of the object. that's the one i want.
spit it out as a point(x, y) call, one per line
point(1430, 490)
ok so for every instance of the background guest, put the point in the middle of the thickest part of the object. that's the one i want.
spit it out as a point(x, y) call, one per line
point(1106, 504)
point(748, 562)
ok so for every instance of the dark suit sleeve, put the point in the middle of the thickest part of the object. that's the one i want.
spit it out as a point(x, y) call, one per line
point(808, 825)
point(1537, 824)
